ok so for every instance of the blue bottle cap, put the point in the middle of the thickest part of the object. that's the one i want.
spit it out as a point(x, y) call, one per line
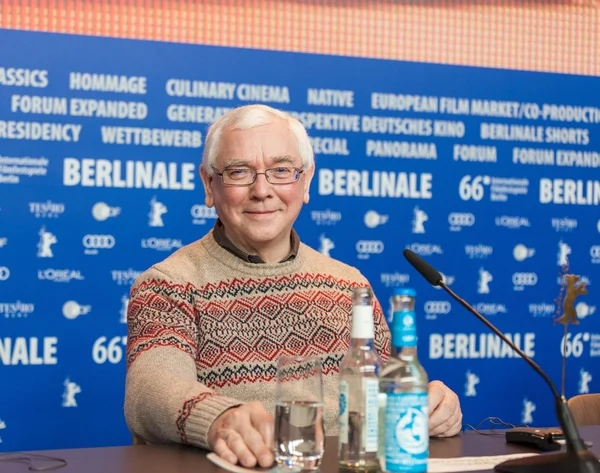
point(404, 291)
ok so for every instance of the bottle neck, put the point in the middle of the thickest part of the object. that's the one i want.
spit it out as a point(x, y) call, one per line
point(405, 353)
point(361, 342)
point(404, 331)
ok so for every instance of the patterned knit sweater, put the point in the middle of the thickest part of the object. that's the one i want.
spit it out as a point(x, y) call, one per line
point(206, 329)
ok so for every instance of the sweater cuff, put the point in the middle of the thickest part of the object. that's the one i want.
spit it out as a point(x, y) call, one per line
point(202, 415)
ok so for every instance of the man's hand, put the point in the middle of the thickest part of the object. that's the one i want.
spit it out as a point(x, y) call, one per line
point(445, 416)
point(243, 434)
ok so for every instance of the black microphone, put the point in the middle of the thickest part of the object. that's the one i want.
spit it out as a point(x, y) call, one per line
point(577, 458)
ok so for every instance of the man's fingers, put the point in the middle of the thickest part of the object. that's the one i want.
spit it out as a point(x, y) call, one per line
point(245, 435)
point(455, 428)
point(238, 446)
point(255, 442)
point(220, 448)
point(444, 408)
point(263, 422)
point(444, 418)
point(435, 394)
point(442, 412)
point(444, 431)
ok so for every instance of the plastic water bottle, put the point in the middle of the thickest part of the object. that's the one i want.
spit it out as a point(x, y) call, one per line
point(359, 390)
point(404, 382)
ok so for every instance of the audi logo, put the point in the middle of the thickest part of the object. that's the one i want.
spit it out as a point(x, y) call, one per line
point(4, 273)
point(369, 246)
point(437, 307)
point(524, 279)
point(99, 241)
point(202, 211)
point(461, 219)
point(595, 251)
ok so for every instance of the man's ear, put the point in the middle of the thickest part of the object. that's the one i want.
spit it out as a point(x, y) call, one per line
point(206, 181)
point(309, 173)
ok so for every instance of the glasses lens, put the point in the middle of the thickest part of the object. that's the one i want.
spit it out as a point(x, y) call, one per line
point(238, 176)
point(282, 175)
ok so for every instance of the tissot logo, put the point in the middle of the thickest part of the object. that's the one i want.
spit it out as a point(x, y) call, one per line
point(394, 279)
point(369, 247)
point(125, 277)
point(542, 309)
point(46, 209)
point(4, 273)
point(564, 224)
point(458, 220)
point(478, 251)
point(16, 310)
point(325, 217)
point(520, 280)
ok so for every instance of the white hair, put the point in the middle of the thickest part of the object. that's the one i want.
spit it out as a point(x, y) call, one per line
point(250, 116)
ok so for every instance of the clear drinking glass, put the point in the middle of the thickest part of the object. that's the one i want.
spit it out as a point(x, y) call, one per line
point(299, 432)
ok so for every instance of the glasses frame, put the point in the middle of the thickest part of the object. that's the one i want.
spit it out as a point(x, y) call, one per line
point(298, 172)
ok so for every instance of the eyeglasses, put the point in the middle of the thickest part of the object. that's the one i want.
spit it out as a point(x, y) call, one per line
point(247, 176)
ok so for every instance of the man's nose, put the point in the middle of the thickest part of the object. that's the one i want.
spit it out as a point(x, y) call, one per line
point(261, 187)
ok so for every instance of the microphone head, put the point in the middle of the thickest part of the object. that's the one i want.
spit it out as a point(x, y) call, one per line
point(428, 272)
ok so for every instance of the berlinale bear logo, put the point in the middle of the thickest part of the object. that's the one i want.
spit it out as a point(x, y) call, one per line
point(420, 217)
point(528, 408)
point(485, 278)
point(326, 245)
point(157, 209)
point(472, 381)
point(47, 239)
point(584, 379)
point(71, 390)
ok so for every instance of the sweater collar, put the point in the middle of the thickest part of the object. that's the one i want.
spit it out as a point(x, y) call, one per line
point(224, 242)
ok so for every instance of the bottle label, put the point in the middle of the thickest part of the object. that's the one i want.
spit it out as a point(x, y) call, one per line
point(404, 329)
point(406, 432)
point(362, 322)
point(343, 412)
point(371, 424)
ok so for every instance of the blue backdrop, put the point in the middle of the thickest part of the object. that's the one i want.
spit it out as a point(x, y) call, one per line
point(492, 175)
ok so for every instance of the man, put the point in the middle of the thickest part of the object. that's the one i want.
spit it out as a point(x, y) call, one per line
point(207, 325)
